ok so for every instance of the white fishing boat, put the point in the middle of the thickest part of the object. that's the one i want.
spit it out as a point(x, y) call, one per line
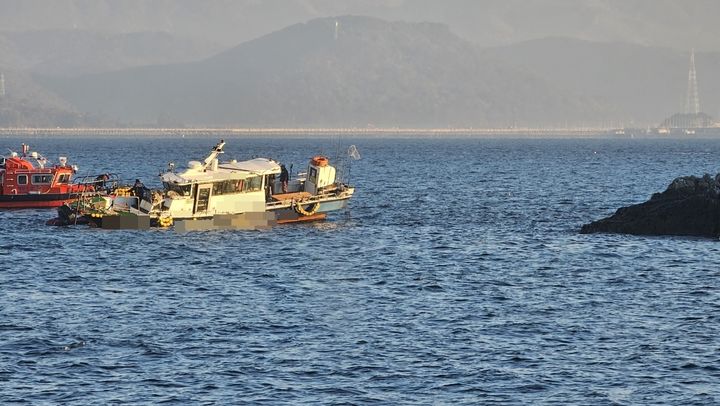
point(252, 194)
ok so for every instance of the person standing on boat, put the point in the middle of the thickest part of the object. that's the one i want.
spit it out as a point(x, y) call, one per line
point(284, 178)
point(138, 189)
point(101, 179)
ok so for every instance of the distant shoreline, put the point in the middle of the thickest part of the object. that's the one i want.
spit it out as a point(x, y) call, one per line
point(360, 132)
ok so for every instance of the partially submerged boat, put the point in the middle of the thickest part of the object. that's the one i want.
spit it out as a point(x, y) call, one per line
point(252, 194)
point(28, 180)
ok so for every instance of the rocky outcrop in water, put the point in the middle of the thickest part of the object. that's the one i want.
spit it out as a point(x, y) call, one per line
point(690, 206)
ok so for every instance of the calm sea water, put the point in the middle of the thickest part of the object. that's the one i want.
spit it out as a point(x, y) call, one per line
point(458, 276)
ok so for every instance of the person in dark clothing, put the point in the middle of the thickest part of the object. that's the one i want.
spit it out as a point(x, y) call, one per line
point(138, 189)
point(284, 178)
point(101, 179)
point(66, 214)
point(269, 187)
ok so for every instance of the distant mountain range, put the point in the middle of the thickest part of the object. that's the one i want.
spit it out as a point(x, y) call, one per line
point(27, 104)
point(370, 72)
point(658, 23)
point(74, 52)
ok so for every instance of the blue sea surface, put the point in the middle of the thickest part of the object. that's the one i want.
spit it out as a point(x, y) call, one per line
point(457, 276)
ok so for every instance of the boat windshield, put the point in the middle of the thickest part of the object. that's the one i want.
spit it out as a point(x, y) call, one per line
point(182, 190)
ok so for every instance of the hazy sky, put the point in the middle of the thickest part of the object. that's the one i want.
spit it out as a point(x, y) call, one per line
point(672, 23)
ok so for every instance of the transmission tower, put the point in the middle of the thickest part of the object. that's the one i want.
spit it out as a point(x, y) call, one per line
point(692, 103)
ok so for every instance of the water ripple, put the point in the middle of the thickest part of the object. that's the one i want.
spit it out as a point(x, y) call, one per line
point(458, 281)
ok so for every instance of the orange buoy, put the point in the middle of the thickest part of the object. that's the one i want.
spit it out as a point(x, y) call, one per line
point(319, 161)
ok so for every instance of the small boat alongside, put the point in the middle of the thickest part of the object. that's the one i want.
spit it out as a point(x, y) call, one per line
point(28, 180)
point(252, 194)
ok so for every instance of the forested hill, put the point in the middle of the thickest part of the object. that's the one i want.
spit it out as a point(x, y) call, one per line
point(63, 53)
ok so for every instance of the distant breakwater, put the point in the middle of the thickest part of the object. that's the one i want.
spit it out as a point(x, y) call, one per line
point(303, 132)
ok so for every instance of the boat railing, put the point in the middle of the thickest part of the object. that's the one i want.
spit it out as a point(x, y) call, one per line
point(107, 184)
point(333, 195)
point(101, 179)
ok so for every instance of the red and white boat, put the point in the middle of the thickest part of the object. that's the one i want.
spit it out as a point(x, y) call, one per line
point(27, 185)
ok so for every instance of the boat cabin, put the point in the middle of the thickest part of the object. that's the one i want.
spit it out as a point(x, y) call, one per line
point(227, 188)
point(18, 176)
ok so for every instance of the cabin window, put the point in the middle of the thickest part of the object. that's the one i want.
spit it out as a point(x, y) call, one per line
point(253, 184)
point(64, 178)
point(313, 175)
point(227, 187)
point(41, 179)
point(22, 179)
point(182, 190)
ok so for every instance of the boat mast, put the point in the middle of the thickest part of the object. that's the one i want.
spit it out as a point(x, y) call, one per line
point(217, 150)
